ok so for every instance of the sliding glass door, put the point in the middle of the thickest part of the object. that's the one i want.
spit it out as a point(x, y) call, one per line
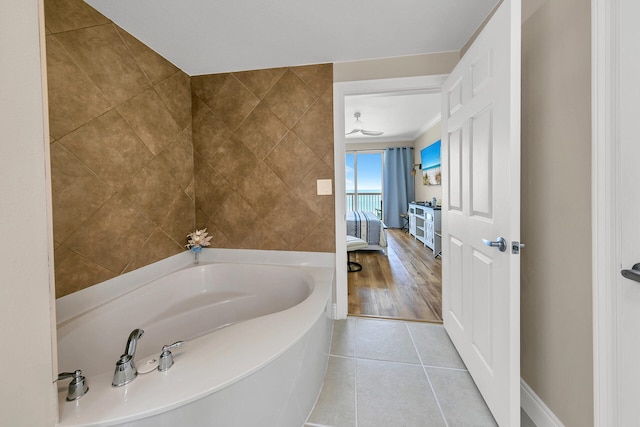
point(364, 181)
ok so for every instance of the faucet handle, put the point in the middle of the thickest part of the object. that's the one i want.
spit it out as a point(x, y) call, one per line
point(78, 385)
point(166, 358)
point(174, 345)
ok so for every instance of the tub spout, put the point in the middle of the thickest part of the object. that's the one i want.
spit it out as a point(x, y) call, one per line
point(125, 368)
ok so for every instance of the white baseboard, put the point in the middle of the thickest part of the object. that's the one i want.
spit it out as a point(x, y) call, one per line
point(536, 409)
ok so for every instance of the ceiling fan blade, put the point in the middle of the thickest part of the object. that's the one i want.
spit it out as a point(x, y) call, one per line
point(371, 132)
point(353, 131)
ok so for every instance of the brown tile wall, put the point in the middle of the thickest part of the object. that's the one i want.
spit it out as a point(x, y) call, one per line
point(131, 177)
point(121, 149)
point(261, 140)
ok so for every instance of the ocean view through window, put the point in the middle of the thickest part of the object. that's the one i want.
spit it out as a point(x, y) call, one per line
point(364, 181)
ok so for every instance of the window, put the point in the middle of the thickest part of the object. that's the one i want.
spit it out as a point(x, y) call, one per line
point(364, 181)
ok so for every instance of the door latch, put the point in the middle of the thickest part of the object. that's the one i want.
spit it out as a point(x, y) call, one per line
point(515, 247)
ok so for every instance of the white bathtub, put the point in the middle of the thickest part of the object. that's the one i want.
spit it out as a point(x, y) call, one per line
point(258, 338)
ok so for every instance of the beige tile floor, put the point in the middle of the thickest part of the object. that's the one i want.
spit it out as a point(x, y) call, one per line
point(386, 373)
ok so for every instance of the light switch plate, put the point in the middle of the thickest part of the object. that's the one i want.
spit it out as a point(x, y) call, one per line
point(324, 187)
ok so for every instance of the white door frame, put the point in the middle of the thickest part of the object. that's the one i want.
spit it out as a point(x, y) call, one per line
point(604, 191)
point(424, 84)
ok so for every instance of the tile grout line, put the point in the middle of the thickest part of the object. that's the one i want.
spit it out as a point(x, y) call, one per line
point(341, 356)
point(446, 368)
point(435, 396)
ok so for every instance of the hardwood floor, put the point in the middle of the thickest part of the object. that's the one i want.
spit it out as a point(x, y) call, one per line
point(406, 284)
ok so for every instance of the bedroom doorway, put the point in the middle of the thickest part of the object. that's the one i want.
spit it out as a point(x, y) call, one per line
point(403, 282)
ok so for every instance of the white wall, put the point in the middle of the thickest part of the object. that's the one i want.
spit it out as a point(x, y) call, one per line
point(28, 395)
point(430, 64)
point(426, 192)
point(556, 340)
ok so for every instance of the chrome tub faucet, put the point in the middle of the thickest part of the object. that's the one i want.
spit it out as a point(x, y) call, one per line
point(166, 358)
point(125, 368)
point(77, 387)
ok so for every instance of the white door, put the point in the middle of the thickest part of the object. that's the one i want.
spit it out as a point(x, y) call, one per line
point(481, 163)
point(627, 247)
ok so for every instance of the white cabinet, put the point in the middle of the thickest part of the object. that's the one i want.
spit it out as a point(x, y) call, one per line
point(424, 225)
point(412, 222)
point(429, 229)
point(416, 221)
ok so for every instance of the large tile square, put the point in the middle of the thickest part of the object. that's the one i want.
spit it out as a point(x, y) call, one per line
point(73, 98)
point(260, 81)
point(110, 148)
point(77, 192)
point(100, 52)
point(289, 98)
point(67, 15)
point(234, 102)
point(459, 398)
point(434, 346)
point(291, 159)
point(384, 340)
point(394, 394)
point(336, 404)
point(343, 341)
point(112, 236)
point(151, 120)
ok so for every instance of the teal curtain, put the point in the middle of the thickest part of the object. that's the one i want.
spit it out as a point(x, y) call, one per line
point(398, 184)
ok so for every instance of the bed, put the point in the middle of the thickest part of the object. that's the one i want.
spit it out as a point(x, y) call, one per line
point(367, 226)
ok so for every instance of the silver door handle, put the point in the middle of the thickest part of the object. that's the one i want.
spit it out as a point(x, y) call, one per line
point(501, 244)
point(633, 274)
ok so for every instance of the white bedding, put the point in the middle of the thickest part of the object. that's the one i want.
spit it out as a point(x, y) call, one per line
point(367, 226)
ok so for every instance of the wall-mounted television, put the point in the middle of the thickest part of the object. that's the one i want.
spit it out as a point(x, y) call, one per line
point(430, 158)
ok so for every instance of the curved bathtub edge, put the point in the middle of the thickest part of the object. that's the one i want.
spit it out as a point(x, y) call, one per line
point(274, 395)
point(77, 303)
point(146, 396)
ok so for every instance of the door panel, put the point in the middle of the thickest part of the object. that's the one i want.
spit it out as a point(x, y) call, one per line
point(481, 159)
point(481, 72)
point(454, 97)
point(456, 283)
point(481, 163)
point(481, 316)
point(454, 176)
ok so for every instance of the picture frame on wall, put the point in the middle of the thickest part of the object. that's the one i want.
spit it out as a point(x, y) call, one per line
point(431, 164)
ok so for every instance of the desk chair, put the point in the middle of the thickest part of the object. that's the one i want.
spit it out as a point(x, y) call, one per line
point(405, 222)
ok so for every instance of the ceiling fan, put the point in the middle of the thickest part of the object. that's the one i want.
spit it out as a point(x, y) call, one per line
point(358, 127)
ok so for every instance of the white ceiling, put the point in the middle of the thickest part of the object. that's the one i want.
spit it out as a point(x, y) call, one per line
point(211, 36)
point(402, 116)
